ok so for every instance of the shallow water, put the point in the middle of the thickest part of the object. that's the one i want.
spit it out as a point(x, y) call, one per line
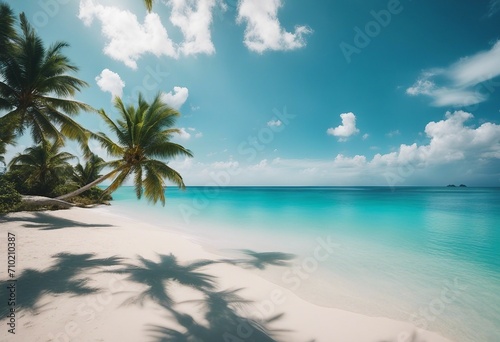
point(426, 255)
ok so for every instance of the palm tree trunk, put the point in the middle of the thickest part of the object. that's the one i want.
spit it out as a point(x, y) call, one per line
point(45, 201)
point(88, 186)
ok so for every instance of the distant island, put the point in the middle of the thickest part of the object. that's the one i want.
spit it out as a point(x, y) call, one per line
point(454, 186)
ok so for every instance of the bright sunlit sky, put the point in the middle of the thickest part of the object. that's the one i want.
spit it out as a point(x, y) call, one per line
point(289, 92)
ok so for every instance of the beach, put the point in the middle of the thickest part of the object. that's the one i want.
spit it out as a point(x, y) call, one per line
point(91, 275)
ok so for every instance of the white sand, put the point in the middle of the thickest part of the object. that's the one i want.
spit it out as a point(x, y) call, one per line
point(56, 312)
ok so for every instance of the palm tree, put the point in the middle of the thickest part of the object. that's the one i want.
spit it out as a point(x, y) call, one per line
point(7, 31)
point(43, 166)
point(7, 136)
point(36, 89)
point(144, 135)
point(85, 174)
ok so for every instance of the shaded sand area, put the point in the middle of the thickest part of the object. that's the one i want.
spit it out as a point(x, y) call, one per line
point(90, 275)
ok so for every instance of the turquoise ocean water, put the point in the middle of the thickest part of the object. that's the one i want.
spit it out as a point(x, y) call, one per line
point(430, 256)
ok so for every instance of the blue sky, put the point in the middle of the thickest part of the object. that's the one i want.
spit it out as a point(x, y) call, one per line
point(288, 92)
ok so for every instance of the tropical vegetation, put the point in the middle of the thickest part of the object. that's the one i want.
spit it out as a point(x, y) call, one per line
point(42, 167)
point(143, 134)
point(37, 96)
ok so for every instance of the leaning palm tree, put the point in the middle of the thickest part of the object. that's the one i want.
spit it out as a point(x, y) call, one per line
point(143, 144)
point(36, 89)
point(43, 166)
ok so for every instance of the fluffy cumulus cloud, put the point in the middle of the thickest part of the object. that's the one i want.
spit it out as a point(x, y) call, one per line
point(466, 82)
point(343, 161)
point(455, 150)
point(176, 98)
point(111, 82)
point(128, 38)
point(264, 31)
point(346, 129)
point(449, 140)
point(194, 19)
point(453, 145)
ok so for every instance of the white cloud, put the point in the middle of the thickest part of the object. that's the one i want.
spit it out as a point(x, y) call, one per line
point(457, 97)
point(194, 19)
point(264, 31)
point(185, 164)
point(450, 140)
point(260, 166)
point(455, 152)
point(128, 39)
point(111, 82)
point(460, 83)
point(343, 161)
point(187, 133)
point(366, 136)
point(195, 132)
point(394, 133)
point(347, 129)
point(176, 98)
point(480, 67)
point(225, 165)
point(184, 134)
point(422, 87)
point(274, 123)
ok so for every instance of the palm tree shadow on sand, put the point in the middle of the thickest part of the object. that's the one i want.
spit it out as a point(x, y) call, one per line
point(159, 276)
point(261, 260)
point(223, 322)
point(222, 311)
point(64, 277)
point(44, 221)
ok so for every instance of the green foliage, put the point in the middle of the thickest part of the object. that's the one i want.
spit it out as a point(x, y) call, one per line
point(85, 174)
point(42, 168)
point(7, 30)
point(36, 86)
point(143, 135)
point(94, 195)
point(9, 197)
point(36, 95)
point(149, 5)
point(18, 180)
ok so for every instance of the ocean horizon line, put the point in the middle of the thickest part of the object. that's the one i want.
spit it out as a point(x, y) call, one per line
point(330, 186)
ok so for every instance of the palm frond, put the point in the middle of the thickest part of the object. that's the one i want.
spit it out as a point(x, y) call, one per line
point(149, 5)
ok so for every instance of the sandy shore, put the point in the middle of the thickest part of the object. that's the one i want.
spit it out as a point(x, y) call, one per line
point(89, 275)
